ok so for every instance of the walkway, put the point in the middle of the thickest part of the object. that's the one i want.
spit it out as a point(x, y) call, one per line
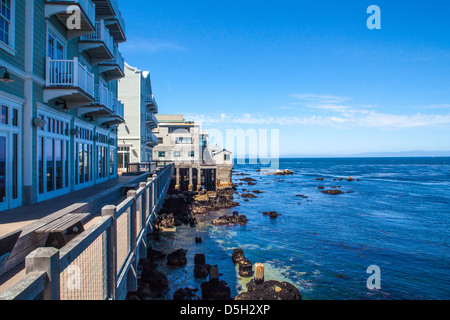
point(18, 218)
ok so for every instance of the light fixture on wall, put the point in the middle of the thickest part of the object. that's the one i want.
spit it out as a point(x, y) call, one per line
point(64, 104)
point(39, 123)
point(6, 77)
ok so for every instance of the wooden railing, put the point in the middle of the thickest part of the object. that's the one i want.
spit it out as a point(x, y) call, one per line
point(101, 262)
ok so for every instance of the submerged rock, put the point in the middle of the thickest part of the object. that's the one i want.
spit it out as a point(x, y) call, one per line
point(332, 192)
point(270, 290)
point(198, 240)
point(155, 255)
point(248, 195)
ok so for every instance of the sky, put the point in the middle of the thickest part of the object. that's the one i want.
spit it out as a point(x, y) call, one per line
point(309, 76)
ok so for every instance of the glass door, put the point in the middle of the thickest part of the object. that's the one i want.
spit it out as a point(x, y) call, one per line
point(4, 172)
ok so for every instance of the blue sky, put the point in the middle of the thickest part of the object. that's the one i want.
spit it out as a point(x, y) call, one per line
point(310, 69)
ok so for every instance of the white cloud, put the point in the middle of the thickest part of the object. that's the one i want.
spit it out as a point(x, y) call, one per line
point(151, 46)
point(320, 98)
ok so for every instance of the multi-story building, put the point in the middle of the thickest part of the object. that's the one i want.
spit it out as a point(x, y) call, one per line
point(59, 118)
point(136, 139)
point(185, 144)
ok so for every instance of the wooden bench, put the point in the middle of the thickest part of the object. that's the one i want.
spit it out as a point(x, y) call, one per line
point(62, 230)
point(128, 187)
point(7, 244)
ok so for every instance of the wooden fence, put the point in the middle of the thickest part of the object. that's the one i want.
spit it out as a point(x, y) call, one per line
point(101, 263)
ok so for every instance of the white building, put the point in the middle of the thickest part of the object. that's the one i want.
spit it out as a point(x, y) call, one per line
point(135, 137)
point(198, 165)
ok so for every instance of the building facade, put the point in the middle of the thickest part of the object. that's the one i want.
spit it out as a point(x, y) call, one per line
point(198, 165)
point(59, 116)
point(136, 139)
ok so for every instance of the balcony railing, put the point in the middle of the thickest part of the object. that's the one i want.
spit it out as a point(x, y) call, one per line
point(86, 5)
point(119, 16)
point(69, 73)
point(118, 108)
point(151, 139)
point(118, 60)
point(104, 96)
point(101, 34)
point(151, 120)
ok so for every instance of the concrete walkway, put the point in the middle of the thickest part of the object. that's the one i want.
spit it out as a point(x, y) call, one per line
point(18, 218)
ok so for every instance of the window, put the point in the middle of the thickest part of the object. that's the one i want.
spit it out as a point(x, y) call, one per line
point(160, 140)
point(4, 115)
point(191, 154)
point(226, 157)
point(6, 22)
point(55, 47)
point(179, 130)
point(181, 140)
point(177, 154)
point(161, 154)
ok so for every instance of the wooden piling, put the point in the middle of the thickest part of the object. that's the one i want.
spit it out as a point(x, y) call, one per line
point(259, 273)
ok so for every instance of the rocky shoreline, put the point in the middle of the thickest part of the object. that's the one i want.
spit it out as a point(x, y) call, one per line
point(186, 208)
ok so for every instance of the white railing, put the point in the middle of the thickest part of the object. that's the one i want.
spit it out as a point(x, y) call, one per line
point(101, 34)
point(119, 16)
point(151, 118)
point(69, 73)
point(119, 109)
point(101, 262)
point(118, 60)
point(87, 6)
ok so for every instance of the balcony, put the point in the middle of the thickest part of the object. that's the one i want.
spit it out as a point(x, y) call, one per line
point(150, 101)
point(99, 45)
point(69, 80)
point(151, 140)
point(64, 9)
point(151, 121)
point(113, 69)
point(109, 10)
point(106, 109)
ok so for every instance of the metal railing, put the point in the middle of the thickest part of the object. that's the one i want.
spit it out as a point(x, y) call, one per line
point(101, 34)
point(137, 168)
point(69, 73)
point(119, 16)
point(101, 262)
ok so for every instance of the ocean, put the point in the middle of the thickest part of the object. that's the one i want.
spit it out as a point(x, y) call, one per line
point(396, 217)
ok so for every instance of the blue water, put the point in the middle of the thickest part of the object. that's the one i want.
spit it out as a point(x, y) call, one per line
point(397, 219)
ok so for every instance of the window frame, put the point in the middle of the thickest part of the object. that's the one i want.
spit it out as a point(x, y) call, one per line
point(10, 47)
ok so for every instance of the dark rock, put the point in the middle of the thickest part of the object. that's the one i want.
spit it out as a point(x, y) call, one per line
point(319, 179)
point(321, 187)
point(248, 180)
point(270, 290)
point(153, 278)
point(198, 239)
point(258, 191)
point(216, 290)
point(199, 258)
point(227, 220)
point(165, 221)
point(177, 258)
point(238, 255)
point(245, 268)
point(248, 195)
point(155, 255)
point(186, 294)
point(201, 271)
point(350, 179)
point(332, 192)
point(286, 172)
point(246, 200)
point(251, 184)
point(271, 214)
